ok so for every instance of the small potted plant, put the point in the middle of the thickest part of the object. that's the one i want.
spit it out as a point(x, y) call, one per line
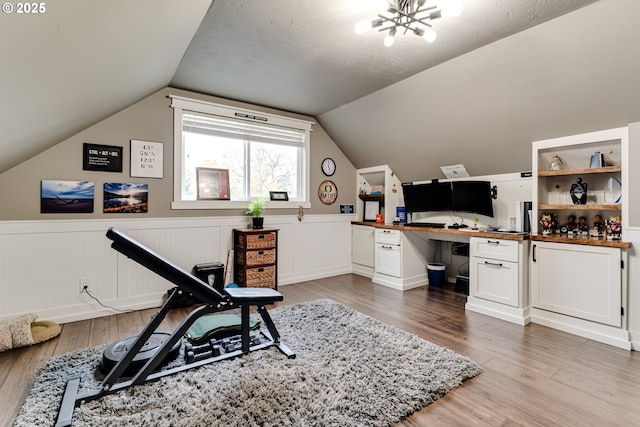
point(255, 210)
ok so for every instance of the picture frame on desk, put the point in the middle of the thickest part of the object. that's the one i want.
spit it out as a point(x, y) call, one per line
point(279, 195)
point(371, 209)
point(212, 183)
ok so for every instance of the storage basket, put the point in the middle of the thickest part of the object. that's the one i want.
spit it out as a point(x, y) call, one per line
point(266, 256)
point(258, 241)
point(261, 277)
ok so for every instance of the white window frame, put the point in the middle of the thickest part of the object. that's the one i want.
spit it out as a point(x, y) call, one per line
point(180, 104)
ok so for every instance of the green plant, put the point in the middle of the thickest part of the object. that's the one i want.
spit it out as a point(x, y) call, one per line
point(255, 208)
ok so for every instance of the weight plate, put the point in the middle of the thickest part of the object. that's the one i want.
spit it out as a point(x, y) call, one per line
point(114, 352)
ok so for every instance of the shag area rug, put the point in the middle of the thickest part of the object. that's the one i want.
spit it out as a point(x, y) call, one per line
point(349, 370)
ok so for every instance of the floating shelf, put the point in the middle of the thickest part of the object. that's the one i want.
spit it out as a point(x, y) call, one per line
point(590, 207)
point(606, 169)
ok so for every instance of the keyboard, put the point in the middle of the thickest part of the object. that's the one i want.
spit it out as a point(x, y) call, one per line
point(428, 224)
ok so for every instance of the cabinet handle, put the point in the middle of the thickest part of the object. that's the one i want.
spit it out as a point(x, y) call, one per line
point(533, 255)
point(495, 264)
point(386, 231)
point(497, 242)
point(386, 247)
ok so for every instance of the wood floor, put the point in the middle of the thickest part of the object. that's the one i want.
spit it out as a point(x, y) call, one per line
point(533, 375)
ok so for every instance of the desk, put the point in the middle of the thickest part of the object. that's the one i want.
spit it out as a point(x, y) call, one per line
point(498, 265)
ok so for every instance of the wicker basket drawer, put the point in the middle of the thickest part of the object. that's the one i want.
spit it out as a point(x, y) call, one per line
point(259, 257)
point(258, 241)
point(261, 277)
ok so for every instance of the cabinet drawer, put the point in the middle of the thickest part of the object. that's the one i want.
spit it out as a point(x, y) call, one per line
point(261, 277)
point(494, 281)
point(256, 257)
point(389, 260)
point(390, 237)
point(505, 250)
point(257, 241)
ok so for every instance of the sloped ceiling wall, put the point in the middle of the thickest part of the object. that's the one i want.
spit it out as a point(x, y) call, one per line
point(81, 61)
point(574, 74)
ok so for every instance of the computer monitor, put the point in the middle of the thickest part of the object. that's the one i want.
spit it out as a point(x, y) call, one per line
point(473, 197)
point(435, 196)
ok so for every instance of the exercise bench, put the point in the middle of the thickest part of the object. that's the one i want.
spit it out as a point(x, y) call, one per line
point(214, 301)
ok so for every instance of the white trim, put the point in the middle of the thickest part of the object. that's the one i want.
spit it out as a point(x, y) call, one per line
point(180, 102)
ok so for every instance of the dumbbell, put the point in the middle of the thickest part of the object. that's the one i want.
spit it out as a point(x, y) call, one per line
point(193, 353)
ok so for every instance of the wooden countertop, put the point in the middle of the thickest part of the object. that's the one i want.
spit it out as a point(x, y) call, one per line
point(573, 240)
point(582, 240)
point(459, 231)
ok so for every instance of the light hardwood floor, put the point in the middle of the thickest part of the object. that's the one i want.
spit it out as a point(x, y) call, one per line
point(533, 375)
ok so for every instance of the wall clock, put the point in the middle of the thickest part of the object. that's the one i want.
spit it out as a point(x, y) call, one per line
point(328, 192)
point(328, 166)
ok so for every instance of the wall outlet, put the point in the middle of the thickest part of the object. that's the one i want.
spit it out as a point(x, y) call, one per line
point(85, 284)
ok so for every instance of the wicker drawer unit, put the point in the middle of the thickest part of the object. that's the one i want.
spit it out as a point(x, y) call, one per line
point(256, 257)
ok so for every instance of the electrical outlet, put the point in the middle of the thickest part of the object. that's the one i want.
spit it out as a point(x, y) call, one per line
point(85, 284)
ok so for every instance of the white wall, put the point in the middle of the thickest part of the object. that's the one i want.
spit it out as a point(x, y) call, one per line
point(41, 262)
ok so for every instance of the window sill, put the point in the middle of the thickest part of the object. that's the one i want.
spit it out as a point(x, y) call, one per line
point(231, 205)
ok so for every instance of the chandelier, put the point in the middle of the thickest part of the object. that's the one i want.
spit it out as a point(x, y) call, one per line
point(409, 16)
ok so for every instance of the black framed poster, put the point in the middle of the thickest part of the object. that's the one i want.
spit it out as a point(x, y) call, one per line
point(106, 158)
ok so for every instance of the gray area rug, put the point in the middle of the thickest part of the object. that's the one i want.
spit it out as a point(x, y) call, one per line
point(350, 370)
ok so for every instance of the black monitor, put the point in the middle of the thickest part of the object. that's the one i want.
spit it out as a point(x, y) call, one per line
point(473, 197)
point(430, 197)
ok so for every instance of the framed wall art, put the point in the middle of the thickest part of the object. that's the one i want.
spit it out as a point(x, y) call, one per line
point(122, 197)
point(146, 159)
point(66, 196)
point(107, 158)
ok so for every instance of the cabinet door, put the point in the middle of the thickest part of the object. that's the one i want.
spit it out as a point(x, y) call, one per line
point(388, 260)
point(494, 280)
point(363, 245)
point(576, 280)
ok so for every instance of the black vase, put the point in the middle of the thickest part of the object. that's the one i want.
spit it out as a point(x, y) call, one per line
point(258, 222)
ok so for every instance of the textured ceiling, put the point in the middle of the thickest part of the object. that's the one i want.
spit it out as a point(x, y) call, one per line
point(304, 55)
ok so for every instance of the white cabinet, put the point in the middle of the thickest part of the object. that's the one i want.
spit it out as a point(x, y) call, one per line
point(579, 282)
point(584, 282)
point(498, 278)
point(362, 250)
point(400, 259)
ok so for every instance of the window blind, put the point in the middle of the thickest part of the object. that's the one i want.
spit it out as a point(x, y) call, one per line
point(241, 129)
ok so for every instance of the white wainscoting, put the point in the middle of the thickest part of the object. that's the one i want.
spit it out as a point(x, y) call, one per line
point(41, 262)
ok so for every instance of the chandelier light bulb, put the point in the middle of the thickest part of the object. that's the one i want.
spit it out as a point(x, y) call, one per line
point(452, 9)
point(429, 35)
point(390, 38)
point(362, 26)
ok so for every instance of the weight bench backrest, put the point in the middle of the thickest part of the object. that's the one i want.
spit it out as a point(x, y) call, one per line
point(163, 267)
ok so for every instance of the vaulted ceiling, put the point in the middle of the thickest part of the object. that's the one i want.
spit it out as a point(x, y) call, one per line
point(502, 74)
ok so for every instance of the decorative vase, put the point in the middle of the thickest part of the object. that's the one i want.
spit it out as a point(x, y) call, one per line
point(258, 222)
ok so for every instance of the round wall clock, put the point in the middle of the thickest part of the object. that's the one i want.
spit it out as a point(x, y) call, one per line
point(328, 166)
point(328, 192)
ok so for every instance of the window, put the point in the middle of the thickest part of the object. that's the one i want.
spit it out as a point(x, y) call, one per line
point(262, 153)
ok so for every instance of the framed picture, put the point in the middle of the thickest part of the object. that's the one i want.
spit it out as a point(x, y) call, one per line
point(106, 158)
point(279, 195)
point(146, 159)
point(66, 196)
point(371, 209)
point(122, 197)
point(213, 184)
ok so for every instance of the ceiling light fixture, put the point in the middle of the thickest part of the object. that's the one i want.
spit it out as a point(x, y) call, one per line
point(412, 16)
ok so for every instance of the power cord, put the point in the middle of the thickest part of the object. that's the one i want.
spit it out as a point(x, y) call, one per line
point(86, 290)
